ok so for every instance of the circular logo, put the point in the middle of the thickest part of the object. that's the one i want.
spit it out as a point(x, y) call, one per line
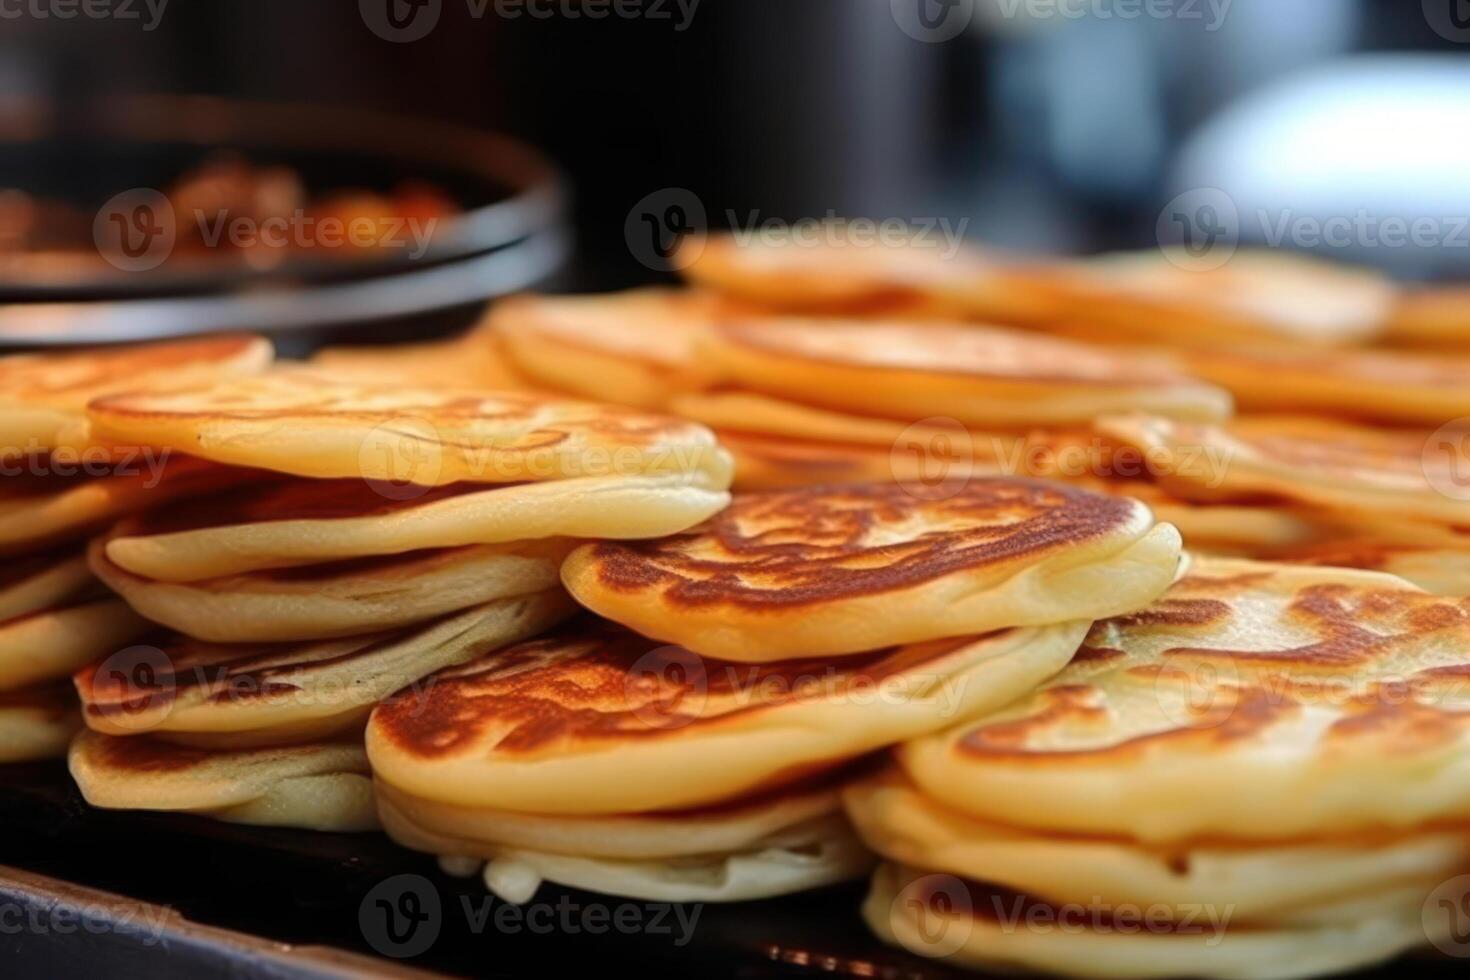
point(932, 21)
point(401, 916)
point(1445, 916)
point(665, 229)
point(401, 458)
point(1445, 459)
point(932, 459)
point(1197, 694)
point(135, 231)
point(941, 912)
point(1450, 19)
point(400, 21)
point(1199, 230)
point(141, 679)
point(667, 687)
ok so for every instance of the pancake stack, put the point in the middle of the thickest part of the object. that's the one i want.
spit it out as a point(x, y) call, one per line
point(1262, 774)
point(688, 746)
point(58, 483)
point(378, 534)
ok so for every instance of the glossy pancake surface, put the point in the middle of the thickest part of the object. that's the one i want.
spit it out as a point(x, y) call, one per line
point(595, 719)
point(835, 570)
point(307, 424)
point(269, 694)
point(1444, 571)
point(282, 524)
point(1255, 701)
point(630, 348)
point(37, 722)
point(972, 374)
point(338, 598)
point(43, 397)
point(315, 786)
point(1333, 466)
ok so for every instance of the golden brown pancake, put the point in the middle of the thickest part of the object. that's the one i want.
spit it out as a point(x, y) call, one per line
point(595, 719)
point(1444, 571)
point(315, 786)
point(306, 424)
point(41, 581)
point(474, 361)
point(37, 722)
point(1431, 316)
point(279, 524)
point(1330, 466)
point(344, 598)
point(43, 397)
point(981, 376)
point(48, 644)
point(629, 348)
point(1254, 701)
point(1402, 388)
point(836, 570)
point(230, 696)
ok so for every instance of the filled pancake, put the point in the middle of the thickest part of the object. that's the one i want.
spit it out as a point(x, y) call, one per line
point(315, 786)
point(836, 570)
point(788, 841)
point(974, 375)
point(230, 696)
point(630, 348)
point(279, 524)
point(975, 926)
point(344, 598)
point(37, 722)
point(308, 424)
point(1333, 466)
point(1254, 701)
point(43, 397)
point(594, 719)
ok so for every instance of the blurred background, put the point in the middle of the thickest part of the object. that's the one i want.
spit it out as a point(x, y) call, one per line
point(1052, 125)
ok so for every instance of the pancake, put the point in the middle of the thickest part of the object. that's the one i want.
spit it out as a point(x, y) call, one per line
point(308, 424)
point(1256, 298)
point(840, 273)
point(283, 524)
point(233, 696)
point(341, 598)
point(1269, 883)
point(973, 927)
point(839, 570)
point(39, 511)
point(973, 375)
point(773, 463)
point(786, 842)
point(1333, 466)
point(39, 582)
point(1431, 316)
point(37, 723)
point(1442, 571)
point(49, 644)
point(320, 786)
point(1402, 388)
point(1246, 529)
point(1254, 701)
point(43, 397)
point(630, 348)
point(466, 362)
point(595, 719)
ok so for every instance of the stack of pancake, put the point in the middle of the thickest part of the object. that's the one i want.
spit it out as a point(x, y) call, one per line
point(377, 534)
point(57, 485)
point(1262, 774)
point(687, 743)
